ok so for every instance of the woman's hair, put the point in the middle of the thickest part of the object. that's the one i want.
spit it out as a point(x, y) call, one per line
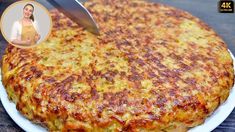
point(31, 17)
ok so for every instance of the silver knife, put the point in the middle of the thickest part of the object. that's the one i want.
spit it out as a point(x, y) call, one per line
point(78, 13)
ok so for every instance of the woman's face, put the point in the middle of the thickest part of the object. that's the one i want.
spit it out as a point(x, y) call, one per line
point(28, 11)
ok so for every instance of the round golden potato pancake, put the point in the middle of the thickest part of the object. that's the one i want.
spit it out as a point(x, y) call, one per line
point(152, 68)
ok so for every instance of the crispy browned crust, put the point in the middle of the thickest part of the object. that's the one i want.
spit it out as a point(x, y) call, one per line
point(153, 68)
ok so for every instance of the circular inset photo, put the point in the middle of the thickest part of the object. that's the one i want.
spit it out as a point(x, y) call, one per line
point(26, 23)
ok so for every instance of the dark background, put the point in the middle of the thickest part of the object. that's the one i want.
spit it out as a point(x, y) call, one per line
point(206, 10)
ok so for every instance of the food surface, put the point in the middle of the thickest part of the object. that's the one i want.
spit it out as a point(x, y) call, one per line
point(153, 68)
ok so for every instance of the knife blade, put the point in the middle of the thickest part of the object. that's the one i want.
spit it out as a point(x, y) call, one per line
point(78, 13)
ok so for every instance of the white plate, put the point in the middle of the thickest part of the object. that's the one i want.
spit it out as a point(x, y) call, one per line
point(221, 113)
